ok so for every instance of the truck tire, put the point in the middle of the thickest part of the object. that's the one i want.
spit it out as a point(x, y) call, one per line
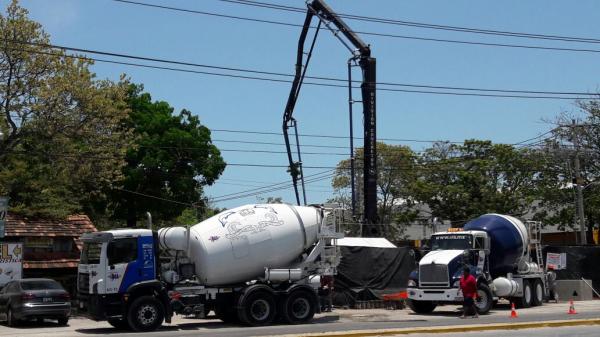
point(525, 300)
point(257, 308)
point(538, 293)
point(484, 300)
point(421, 307)
point(298, 307)
point(145, 313)
point(119, 323)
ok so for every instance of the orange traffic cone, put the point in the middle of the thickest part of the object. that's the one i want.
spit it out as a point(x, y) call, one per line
point(571, 308)
point(513, 312)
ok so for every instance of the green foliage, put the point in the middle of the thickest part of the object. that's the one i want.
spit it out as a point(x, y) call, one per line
point(173, 158)
point(396, 174)
point(63, 131)
point(459, 182)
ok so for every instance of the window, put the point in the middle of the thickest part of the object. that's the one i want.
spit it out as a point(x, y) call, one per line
point(40, 285)
point(122, 251)
point(479, 242)
point(90, 254)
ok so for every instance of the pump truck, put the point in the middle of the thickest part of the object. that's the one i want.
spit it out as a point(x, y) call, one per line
point(361, 56)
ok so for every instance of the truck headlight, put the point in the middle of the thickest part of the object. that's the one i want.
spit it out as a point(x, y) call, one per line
point(456, 284)
point(412, 283)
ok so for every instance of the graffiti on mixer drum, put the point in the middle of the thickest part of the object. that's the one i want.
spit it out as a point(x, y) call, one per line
point(246, 211)
point(223, 217)
point(237, 231)
point(267, 207)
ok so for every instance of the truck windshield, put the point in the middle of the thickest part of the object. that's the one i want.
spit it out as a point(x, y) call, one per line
point(451, 241)
point(90, 254)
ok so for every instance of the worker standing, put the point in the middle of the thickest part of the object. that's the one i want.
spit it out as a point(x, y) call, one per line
point(468, 286)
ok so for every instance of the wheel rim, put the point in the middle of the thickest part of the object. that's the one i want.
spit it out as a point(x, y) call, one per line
point(300, 308)
point(539, 293)
point(483, 300)
point(147, 314)
point(528, 294)
point(260, 310)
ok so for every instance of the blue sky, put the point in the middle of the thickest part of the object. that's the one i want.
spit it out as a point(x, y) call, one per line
point(236, 104)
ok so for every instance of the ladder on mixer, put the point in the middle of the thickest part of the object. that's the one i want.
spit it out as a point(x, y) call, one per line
point(535, 235)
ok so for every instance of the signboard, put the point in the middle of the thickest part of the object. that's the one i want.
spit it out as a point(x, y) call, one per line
point(11, 261)
point(3, 210)
point(556, 261)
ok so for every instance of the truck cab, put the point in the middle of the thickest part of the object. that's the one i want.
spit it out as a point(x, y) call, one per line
point(115, 264)
point(436, 279)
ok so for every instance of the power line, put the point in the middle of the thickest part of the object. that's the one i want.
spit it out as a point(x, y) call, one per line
point(482, 91)
point(155, 197)
point(421, 24)
point(286, 183)
point(280, 23)
point(408, 140)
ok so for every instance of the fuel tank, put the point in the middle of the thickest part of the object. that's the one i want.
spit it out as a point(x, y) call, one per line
point(509, 240)
point(236, 245)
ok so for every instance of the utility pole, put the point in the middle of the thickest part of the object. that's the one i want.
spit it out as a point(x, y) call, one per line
point(578, 183)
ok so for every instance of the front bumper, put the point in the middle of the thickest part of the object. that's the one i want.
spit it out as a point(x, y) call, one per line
point(438, 295)
point(101, 307)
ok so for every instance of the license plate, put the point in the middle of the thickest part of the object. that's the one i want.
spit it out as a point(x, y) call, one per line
point(81, 305)
point(47, 299)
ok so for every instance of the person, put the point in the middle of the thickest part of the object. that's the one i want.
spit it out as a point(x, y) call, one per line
point(326, 293)
point(468, 286)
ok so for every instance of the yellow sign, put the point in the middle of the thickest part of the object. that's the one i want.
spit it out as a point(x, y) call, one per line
point(595, 235)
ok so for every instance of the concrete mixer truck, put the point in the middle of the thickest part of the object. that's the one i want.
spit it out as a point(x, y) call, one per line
point(497, 249)
point(253, 264)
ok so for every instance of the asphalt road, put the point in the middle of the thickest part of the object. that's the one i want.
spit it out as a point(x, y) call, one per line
point(339, 320)
point(572, 331)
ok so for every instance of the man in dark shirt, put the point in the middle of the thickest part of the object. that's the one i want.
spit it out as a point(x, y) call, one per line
point(468, 285)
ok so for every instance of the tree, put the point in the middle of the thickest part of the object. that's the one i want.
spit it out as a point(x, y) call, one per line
point(461, 181)
point(396, 174)
point(558, 199)
point(62, 134)
point(172, 160)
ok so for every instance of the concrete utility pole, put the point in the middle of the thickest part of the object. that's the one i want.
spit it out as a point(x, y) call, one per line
point(578, 183)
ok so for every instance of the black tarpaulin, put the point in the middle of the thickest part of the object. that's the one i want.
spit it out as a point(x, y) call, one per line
point(582, 261)
point(367, 273)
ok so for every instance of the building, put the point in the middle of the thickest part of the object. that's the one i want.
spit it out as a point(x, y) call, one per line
point(51, 248)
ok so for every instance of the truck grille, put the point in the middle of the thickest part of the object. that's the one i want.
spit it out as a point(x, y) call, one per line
point(434, 275)
point(83, 283)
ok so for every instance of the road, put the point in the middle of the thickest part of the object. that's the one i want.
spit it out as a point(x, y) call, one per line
point(339, 320)
point(572, 331)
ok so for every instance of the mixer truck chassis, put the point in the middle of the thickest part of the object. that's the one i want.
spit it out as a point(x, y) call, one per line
point(498, 250)
point(254, 265)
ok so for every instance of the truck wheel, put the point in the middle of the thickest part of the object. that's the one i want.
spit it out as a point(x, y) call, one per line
point(484, 300)
point(298, 307)
point(538, 293)
point(146, 313)
point(421, 307)
point(525, 300)
point(119, 323)
point(258, 308)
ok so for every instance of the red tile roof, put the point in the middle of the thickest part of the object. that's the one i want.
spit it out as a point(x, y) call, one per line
point(62, 263)
point(73, 226)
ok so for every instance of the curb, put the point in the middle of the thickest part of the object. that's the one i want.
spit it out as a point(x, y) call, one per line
point(450, 329)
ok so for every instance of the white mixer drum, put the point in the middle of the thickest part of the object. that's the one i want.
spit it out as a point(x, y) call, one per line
point(236, 245)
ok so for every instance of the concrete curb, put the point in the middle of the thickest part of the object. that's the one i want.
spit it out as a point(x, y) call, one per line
point(455, 328)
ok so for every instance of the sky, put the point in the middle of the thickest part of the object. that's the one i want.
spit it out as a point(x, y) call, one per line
point(250, 105)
